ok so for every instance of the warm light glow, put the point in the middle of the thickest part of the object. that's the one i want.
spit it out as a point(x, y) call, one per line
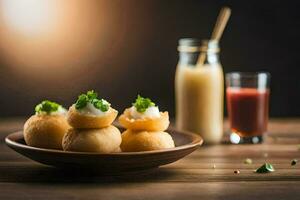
point(27, 16)
point(52, 40)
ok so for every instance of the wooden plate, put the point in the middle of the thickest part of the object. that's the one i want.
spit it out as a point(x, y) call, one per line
point(185, 143)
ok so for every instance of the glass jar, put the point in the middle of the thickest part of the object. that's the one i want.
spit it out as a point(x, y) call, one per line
point(199, 89)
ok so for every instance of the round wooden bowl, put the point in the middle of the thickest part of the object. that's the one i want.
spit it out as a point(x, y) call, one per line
point(185, 143)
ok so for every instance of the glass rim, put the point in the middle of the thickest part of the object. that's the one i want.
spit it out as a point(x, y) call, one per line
point(238, 74)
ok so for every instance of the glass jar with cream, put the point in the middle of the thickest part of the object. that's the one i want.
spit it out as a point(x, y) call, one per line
point(199, 89)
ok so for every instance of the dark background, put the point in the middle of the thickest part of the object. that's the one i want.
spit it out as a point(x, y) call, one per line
point(129, 48)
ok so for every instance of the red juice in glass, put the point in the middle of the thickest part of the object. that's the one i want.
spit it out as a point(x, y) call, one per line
point(248, 106)
point(248, 110)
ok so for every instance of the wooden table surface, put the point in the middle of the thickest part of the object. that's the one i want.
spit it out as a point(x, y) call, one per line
point(190, 178)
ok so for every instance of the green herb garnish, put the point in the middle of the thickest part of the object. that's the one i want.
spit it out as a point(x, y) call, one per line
point(101, 104)
point(92, 97)
point(46, 107)
point(265, 168)
point(294, 162)
point(81, 101)
point(141, 104)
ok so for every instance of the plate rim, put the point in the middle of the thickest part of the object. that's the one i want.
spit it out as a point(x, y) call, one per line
point(197, 141)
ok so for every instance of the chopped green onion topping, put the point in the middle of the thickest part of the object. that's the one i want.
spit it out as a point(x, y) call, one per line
point(81, 101)
point(265, 168)
point(47, 107)
point(141, 104)
point(92, 97)
point(101, 104)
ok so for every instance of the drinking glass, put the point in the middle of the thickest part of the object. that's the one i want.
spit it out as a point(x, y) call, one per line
point(248, 105)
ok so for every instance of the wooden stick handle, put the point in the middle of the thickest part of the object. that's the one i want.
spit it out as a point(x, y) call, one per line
point(217, 32)
point(221, 23)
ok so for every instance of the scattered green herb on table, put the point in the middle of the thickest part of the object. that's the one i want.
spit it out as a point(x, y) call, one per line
point(265, 168)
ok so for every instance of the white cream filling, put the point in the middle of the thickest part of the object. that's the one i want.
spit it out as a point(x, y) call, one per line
point(90, 109)
point(60, 111)
point(151, 112)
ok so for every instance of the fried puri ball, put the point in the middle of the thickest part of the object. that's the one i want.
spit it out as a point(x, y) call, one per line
point(145, 141)
point(104, 140)
point(80, 120)
point(45, 131)
point(146, 124)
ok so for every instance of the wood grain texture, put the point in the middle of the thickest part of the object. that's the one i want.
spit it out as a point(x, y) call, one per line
point(190, 178)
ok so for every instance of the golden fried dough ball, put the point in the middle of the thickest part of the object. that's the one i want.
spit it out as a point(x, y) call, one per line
point(145, 141)
point(45, 131)
point(104, 140)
